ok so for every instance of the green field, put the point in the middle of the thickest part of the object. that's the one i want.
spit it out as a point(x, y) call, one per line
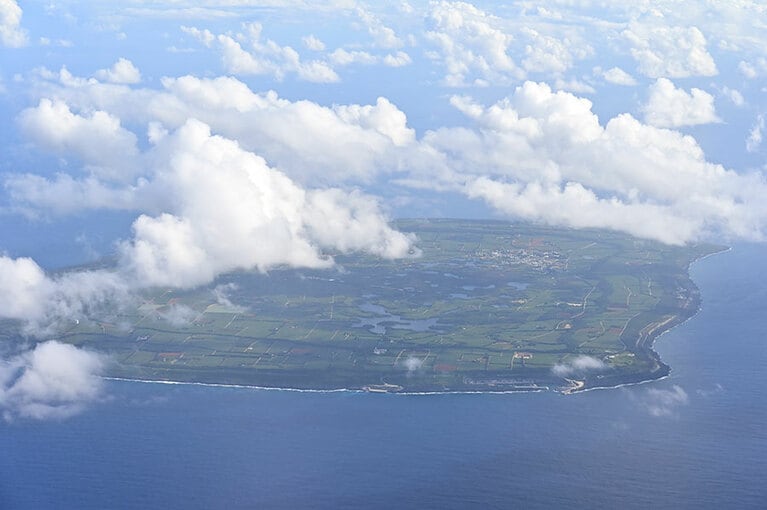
point(489, 306)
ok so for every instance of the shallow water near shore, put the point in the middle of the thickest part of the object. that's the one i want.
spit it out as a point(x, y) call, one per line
point(693, 440)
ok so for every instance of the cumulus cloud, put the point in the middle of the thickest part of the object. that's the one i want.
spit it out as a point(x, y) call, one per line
point(108, 150)
point(734, 96)
point(313, 43)
point(669, 51)
point(313, 144)
point(383, 36)
point(753, 69)
point(544, 156)
point(219, 192)
point(579, 365)
point(221, 293)
point(342, 57)
point(25, 287)
point(33, 195)
point(539, 155)
point(43, 302)
point(669, 106)
point(663, 403)
point(412, 363)
point(478, 48)
point(398, 59)
point(200, 192)
point(53, 380)
point(573, 85)
point(547, 54)
point(351, 221)
point(618, 76)
point(262, 56)
point(11, 33)
point(471, 45)
point(754, 140)
point(177, 315)
point(123, 71)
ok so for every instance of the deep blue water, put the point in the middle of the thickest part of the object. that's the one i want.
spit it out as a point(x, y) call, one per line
point(694, 440)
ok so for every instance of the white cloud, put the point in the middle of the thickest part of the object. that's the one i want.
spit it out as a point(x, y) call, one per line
point(669, 51)
point(547, 54)
point(313, 43)
point(398, 59)
point(64, 43)
point(748, 70)
point(53, 380)
point(538, 155)
point(108, 149)
point(351, 221)
point(263, 56)
point(184, 13)
point(754, 140)
point(382, 35)
point(734, 96)
point(64, 194)
point(218, 192)
point(618, 76)
point(754, 69)
point(544, 156)
point(574, 85)
point(412, 363)
point(342, 57)
point(669, 106)
point(42, 302)
point(11, 33)
point(312, 144)
point(579, 365)
point(123, 71)
point(177, 315)
point(221, 293)
point(197, 191)
point(470, 45)
point(25, 288)
point(664, 403)
point(384, 118)
point(208, 191)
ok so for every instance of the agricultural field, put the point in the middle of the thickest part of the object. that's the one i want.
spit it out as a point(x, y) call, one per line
point(487, 306)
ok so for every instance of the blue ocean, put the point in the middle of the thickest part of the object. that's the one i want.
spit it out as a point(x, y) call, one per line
point(696, 439)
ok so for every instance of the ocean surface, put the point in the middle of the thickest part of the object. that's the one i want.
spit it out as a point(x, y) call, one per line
point(697, 439)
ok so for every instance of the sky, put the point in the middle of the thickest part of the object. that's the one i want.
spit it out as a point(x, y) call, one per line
point(156, 132)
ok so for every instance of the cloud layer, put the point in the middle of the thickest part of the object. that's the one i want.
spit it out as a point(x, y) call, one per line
point(53, 380)
point(671, 107)
point(538, 154)
point(544, 156)
point(220, 208)
point(11, 33)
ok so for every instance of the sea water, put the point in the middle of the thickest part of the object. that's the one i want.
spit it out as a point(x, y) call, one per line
point(694, 440)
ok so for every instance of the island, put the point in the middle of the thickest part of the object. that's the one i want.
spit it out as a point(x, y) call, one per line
point(487, 306)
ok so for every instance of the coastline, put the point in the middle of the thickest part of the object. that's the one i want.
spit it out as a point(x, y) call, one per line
point(566, 386)
point(664, 370)
point(310, 390)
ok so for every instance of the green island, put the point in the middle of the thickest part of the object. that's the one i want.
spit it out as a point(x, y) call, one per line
point(489, 306)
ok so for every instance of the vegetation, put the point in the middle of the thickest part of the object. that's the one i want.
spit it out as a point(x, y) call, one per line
point(489, 306)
